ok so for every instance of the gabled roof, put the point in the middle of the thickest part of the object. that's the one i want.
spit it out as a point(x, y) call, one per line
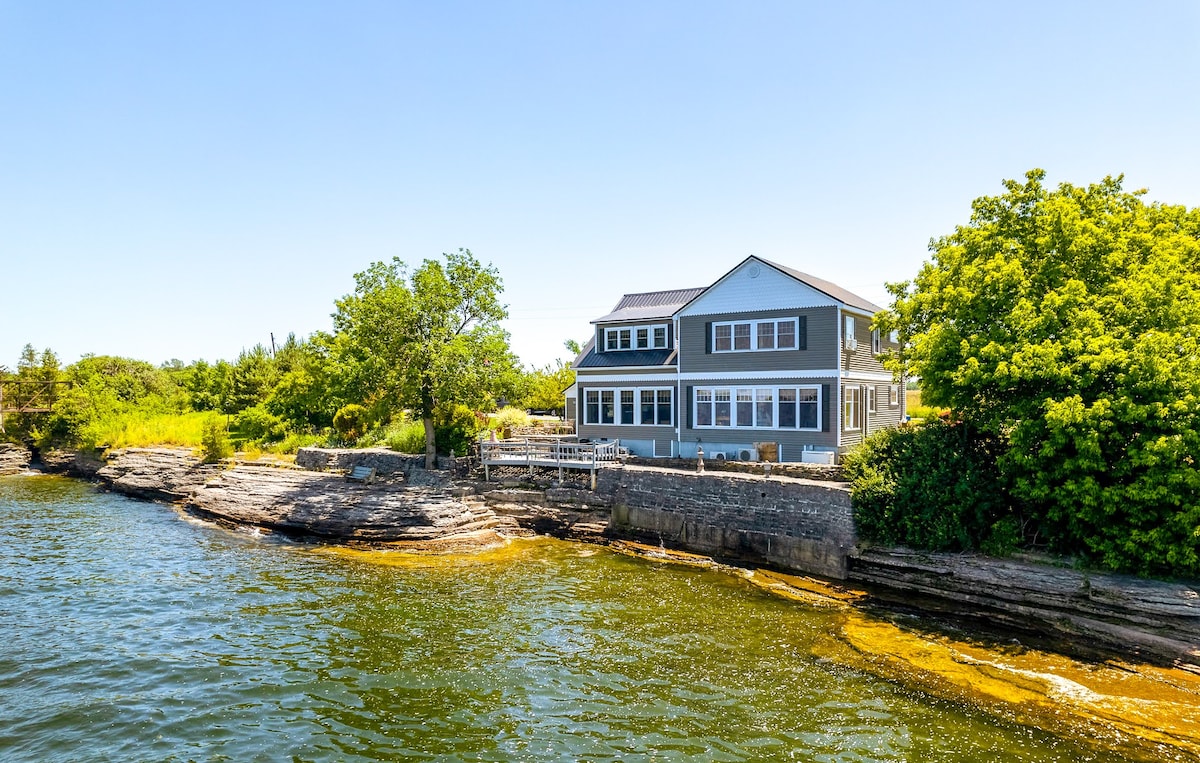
point(649, 305)
point(826, 287)
point(829, 289)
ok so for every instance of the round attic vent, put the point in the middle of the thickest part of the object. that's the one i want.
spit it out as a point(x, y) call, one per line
point(753, 270)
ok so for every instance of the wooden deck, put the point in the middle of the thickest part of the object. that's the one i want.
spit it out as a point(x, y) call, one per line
point(552, 453)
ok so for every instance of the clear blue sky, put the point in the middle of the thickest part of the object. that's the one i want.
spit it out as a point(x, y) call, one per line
point(180, 179)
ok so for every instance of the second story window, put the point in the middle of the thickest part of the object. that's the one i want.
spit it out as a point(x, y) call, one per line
point(636, 338)
point(755, 336)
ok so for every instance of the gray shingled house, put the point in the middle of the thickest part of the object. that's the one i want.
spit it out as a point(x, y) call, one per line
point(767, 362)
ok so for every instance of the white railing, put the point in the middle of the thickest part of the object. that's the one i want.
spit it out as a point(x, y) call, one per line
point(551, 453)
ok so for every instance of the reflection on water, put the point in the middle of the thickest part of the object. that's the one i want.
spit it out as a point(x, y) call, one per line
point(130, 633)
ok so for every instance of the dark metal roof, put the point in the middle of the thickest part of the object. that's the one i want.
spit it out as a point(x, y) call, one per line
point(623, 358)
point(649, 305)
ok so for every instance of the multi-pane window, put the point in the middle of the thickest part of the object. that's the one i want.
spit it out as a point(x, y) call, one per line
point(871, 399)
point(894, 395)
point(758, 407)
point(629, 407)
point(704, 408)
point(741, 336)
point(851, 405)
point(749, 336)
point(876, 342)
point(723, 337)
point(764, 407)
point(607, 409)
point(636, 338)
point(626, 406)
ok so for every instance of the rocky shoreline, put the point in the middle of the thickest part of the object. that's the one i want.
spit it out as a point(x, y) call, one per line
point(410, 508)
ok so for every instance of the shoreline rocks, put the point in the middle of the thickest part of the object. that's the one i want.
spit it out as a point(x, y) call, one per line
point(1150, 620)
point(13, 458)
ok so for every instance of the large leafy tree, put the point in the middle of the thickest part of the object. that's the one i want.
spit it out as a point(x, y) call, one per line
point(1067, 322)
point(426, 340)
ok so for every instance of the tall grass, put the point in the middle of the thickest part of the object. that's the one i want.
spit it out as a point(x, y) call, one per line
point(140, 430)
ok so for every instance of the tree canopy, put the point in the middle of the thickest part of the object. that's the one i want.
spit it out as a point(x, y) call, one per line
point(427, 339)
point(1067, 322)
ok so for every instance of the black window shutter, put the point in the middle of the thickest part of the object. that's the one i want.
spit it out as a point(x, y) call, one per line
point(687, 412)
point(708, 338)
point(827, 406)
point(802, 334)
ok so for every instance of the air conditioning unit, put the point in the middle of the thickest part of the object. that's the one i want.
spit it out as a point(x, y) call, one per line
point(851, 344)
point(720, 456)
point(747, 454)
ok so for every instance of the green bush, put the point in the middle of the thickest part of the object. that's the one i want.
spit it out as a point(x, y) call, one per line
point(258, 424)
point(508, 417)
point(456, 430)
point(350, 422)
point(933, 486)
point(214, 441)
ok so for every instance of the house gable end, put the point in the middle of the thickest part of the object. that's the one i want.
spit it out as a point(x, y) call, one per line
point(758, 286)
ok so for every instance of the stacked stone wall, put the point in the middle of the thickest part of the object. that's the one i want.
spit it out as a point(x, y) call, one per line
point(797, 524)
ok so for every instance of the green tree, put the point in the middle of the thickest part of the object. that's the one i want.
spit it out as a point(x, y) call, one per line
point(545, 386)
point(427, 339)
point(1067, 322)
point(254, 376)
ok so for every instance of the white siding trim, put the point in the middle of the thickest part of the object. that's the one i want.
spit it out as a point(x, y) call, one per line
point(733, 377)
point(866, 376)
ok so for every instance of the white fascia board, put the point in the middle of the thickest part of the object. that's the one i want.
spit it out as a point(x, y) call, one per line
point(734, 378)
point(865, 376)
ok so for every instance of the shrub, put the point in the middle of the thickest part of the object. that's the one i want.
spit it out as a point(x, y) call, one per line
point(350, 422)
point(257, 423)
point(214, 441)
point(505, 419)
point(933, 486)
point(455, 430)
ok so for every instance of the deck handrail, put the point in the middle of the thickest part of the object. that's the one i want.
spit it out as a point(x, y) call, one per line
point(552, 453)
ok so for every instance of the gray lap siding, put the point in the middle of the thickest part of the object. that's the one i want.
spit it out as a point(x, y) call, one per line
point(820, 329)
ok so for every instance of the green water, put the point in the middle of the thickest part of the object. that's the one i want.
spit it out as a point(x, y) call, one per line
point(130, 633)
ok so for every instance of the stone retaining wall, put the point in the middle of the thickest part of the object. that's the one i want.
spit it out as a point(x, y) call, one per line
point(797, 524)
point(384, 462)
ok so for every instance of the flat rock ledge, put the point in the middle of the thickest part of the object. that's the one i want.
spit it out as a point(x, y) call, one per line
point(1150, 620)
point(330, 507)
point(13, 459)
point(387, 511)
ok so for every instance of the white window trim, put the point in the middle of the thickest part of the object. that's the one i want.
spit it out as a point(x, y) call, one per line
point(733, 401)
point(633, 330)
point(893, 395)
point(876, 342)
point(850, 422)
point(637, 405)
point(871, 399)
point(754, 335)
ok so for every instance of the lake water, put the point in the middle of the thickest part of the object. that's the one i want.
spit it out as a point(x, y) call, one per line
point(131, 633)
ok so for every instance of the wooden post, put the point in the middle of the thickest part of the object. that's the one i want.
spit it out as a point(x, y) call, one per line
point(558, 458)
